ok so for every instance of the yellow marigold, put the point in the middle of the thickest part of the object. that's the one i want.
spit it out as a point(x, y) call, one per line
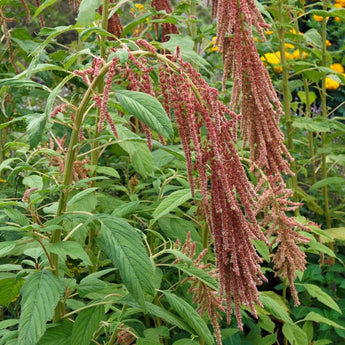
point(328, 43)
point(215, 47)
point(297, 55)
point(269, 32)
point(337, 67)
point(331, 84)
point(318, 18)
point(289, 46)
point(139, 6)
point(340, 2)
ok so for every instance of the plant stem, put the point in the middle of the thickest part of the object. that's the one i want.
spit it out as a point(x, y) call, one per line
point(310, 134)
point(324, 115)
point(284, 298)
point(105, 12)
point(286, 99)
point(193, 29)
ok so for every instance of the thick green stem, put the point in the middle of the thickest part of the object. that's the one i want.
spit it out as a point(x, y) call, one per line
point(286, 99)
point(193, 28)
point(105, 13)
point(324, 115)
point(310, 134)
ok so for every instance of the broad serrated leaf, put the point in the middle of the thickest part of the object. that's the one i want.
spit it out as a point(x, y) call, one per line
point(85, 325)
point(143, 161)
point(123, 245)
point(40, 295)
point(87, 10)
point(199, 274)
point(313, 37)
point(328, 181)
point(17, 217)
point(126, 209)
point(109, 171)
point(172, 201)
point(81, 195)
point(147, 109)
point(190, 316)
point(90, 285)
point(312, 316)
point(33, 181)
point(58, 334)
point(35, 128)
point(9, 292)
point(321, 296)
point(71, 248)
point(294, 334)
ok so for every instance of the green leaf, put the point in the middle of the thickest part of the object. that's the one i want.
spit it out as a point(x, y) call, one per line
point(335, 233)
point(6, 247)
point(168, 204)
point(303, 98)
point(8, 323)
point(109, 171)
point(328, 181)
point(190, 316)
point(274, 307)
point(90, 285)
point(40, 295)
point(321, 296)
point(42, 7)
point(35, 128)
point(185, 341)
point(319, 247)
point(17, 217)
point(268, 340)
point(10, 288)
point(71, 248)
point(87, 10)
point(86, 324)
point(312, 124)
point(157, 311)
point(186, 45)
point(312, 316)
point(147, 109)
point(294, 334)
point(81, 195)
point(262, 249)
point(57, 334)
point(313, 37)
point(33, 181)
point(199, 274)
point(323, 342)
point(142, 160)
point(126, 209)
point(123, 245)
point(176, 228)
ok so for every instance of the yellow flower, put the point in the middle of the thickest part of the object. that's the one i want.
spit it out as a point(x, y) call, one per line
point(331, 84)
point(340, 2)
point(318, 18)
point(214, 48)
point(269, 32)
point(328, 43)
point(289, 46)
point(2, 180)
point(139, 6)
point(337, 67)
point(297, 55)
